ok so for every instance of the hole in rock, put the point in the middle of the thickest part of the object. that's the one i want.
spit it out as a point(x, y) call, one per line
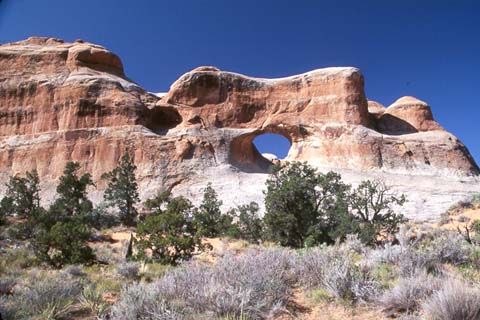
point(272, 146)
point(160, 119)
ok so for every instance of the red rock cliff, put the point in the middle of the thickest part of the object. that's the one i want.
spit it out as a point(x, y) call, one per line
point(72, 101)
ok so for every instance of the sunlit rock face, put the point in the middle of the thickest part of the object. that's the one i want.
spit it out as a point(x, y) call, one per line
point(64, 102)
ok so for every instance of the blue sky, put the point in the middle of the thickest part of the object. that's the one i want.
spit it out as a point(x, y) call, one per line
point(428, 49)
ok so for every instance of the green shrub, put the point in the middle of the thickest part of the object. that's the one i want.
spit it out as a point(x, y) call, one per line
point(320, 295)
point(22, 195)
point(23, 201)
point(209, 220)
point(14, 260)
point(62, 231)
point(72, 198)
point(122, 190)
point(5, 206)
point(302, 205)
point(248, 225)
point(372, 204)
point(168, 233)
point(305, 208)
point(92, 299)
point(64, 243)
point(384, 274)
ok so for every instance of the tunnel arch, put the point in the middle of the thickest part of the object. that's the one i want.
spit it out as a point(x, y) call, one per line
point(245, 155)
point(272, 146)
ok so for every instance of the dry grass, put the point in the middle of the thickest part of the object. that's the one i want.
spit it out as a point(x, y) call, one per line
point(472, 214)
point(309, 308)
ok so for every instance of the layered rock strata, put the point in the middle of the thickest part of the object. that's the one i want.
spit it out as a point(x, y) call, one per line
point(72, 101)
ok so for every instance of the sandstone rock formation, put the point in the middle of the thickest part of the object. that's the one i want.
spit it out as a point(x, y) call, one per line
point(72, 101)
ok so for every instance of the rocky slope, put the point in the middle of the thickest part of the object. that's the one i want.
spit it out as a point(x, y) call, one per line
point(72, 101)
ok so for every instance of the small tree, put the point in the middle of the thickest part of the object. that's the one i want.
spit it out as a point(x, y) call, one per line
point(168, 233)
point(248, 225)
point(301, 204)
point(72, 198)
point(24, 194)
point(64, 243)
point(122, 190)
point(62, 231)
point(22, 200)
point(372, 204)
point(209, 219)
point(5, 205)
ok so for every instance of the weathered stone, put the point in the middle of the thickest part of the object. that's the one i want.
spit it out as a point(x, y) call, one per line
point(407, 115)
point(64, 102)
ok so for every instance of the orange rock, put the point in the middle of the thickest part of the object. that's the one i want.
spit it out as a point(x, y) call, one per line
point(71, 101)
point(407, 115)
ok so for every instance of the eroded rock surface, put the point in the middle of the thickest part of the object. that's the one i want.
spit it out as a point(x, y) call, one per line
point(72, 101)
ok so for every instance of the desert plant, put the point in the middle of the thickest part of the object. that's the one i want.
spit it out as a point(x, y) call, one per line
point(372, 203)
point(389, 253)
point(412, 261)
point(23, 195)
point(449, 247)
point(22, 200)
point(6, 285)
point(74, 270)
point(302, 205)
point(62, 231)
point(64, 243)
point(72, 198)
point(409, 316)
point(128, 270)
point(144, 301)
point(444, 219)
point(354, 244)
point(12, 260)
point(92, 299)
point(408, 293)
point(256, 284)
point(455, 300)
point(465, 204)
point(470, 232)
point(334, 269)
point(48, 298)
point(168, 233)
point(122, 190)
point(209, 220)
point(248, 225)
point(407, 259)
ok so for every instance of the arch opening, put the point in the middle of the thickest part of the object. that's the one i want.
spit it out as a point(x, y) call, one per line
point(272, 146)
point(257, 151)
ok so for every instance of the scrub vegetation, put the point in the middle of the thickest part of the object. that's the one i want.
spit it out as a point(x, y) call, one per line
point(321, 244)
